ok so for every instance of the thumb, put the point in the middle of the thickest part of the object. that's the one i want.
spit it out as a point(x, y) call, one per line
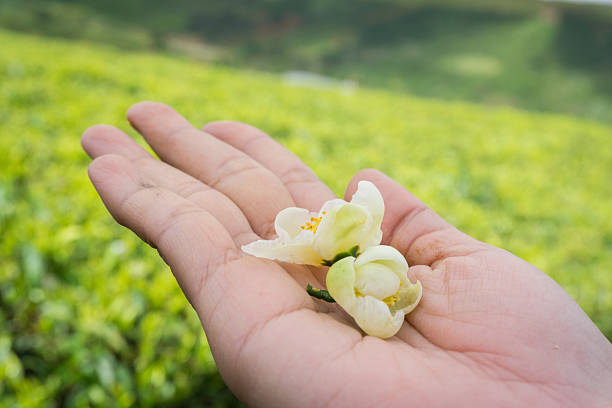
point(411, 226)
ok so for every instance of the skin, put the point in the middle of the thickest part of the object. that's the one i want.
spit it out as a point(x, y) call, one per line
point(491, 329)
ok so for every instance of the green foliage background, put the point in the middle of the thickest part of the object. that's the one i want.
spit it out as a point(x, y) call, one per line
point(541, 56)
point(90, 316)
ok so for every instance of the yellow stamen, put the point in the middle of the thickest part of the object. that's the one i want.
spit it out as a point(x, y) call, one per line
point(313, 224)
point(390, 301)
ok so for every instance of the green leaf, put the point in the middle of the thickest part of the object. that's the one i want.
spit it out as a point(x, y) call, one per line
point(354, 251)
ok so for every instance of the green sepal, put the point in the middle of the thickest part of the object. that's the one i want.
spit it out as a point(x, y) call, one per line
point(320, 294)
point(351, 252)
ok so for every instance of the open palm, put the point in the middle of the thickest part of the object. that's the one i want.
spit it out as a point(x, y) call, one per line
point(491, 330)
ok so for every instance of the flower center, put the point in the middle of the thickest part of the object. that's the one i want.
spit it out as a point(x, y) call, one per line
point(313, 224)
point(391, 300)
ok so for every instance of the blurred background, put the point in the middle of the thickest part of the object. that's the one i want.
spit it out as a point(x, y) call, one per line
point(497, 114)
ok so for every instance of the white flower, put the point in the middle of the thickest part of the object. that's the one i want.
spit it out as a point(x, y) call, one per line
point(374, 289)
point(313, 238)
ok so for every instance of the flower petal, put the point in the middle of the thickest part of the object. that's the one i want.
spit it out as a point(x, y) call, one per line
point(293, 243)
point(288, 222)
point(387, 256)
point(331, 204)
point(368, 196)
point(409, 297)
point(281, 250)
point(342, 228)
point(375, 318)
point(376, 280)
point(340, 282)
point(371, 314)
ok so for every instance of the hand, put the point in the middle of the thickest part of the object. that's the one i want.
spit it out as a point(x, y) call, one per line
point(491, 329)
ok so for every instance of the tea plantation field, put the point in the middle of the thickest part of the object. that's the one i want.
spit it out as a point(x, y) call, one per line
point(90, 316)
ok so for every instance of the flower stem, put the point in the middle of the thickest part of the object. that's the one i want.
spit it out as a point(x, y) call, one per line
point(354, 251)
point(320, 294)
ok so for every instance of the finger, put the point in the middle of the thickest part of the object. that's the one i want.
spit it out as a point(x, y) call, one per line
point(256, 190)
point(412, 227)
point(255, 316)
point(307, 190)
point(99, 140)
point(190, 239)
point(103, 139)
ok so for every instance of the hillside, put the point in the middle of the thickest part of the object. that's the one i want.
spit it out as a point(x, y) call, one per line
point(552, 57)
point(91, 316)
